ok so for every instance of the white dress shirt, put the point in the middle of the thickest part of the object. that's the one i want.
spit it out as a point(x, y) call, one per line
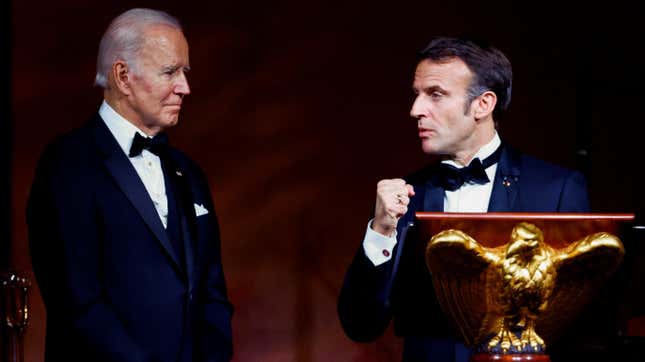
point(470, 197)
point(147, 164)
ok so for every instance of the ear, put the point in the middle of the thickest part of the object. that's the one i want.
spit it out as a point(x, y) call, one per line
point(122, 76)
point(484, 105)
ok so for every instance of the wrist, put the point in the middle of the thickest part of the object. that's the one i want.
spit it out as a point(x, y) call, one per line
point(385, 230)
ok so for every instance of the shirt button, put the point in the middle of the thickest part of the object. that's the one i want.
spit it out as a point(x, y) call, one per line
point(386, 253)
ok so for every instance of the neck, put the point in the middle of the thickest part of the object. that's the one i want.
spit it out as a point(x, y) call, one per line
point(479, 140)
point(121, 105)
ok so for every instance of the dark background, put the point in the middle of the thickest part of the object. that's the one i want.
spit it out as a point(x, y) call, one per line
point(299, 108)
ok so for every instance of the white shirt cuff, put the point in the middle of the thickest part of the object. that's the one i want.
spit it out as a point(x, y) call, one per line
point(378, 247)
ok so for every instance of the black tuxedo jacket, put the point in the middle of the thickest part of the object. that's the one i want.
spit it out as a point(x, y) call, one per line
point(113, 286)
point(401, 289)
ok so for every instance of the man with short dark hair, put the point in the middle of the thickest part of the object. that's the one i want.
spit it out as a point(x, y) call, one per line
point(123, 234)
point(462, 87)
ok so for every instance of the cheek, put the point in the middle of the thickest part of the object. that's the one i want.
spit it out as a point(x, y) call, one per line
point(464, 127)
point(454, 115)
point(145, 84)
point(165, 93)
point(157, 91)
point(149, 87)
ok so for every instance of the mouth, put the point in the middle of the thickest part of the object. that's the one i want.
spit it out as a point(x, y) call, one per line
point(425, 132)
point(173, 107)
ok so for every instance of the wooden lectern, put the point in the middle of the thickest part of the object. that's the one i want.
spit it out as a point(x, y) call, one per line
point(512, 282)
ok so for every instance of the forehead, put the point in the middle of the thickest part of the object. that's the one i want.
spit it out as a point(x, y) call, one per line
point(451, 74)
point(164, 44)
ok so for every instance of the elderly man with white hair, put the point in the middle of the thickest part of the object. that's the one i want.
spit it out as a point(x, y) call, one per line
point(124, 239)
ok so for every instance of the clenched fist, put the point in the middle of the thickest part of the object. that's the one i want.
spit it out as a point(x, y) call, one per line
point(392, 199)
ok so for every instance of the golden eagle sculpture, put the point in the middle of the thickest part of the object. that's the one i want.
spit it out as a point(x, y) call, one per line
point(511, 298)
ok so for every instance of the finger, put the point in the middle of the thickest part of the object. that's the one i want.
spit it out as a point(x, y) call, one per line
point(397, 198)
point(395, 189)
point(392, 191)
point(394, 219)
point(391, 195)
point(402, 200)
point(393, 198)
point(410, 190)
point(397, 210)
point(391, 183)
point(400, 210)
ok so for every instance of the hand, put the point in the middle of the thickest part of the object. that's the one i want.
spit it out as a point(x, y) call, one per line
point(392, 199)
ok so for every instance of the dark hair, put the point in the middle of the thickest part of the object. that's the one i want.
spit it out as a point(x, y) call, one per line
point(491, 69)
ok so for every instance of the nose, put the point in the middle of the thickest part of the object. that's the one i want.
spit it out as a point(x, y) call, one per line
point(417, 110)
point(181, 87)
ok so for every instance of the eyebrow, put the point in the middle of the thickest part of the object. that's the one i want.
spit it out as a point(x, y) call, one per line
point(431, 89)
point(173, 68)
point(435, 88)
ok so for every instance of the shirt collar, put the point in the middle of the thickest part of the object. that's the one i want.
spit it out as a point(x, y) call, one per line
point(122, 130)
point(485, 151)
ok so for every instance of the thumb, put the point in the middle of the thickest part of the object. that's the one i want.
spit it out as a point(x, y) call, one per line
point(410, 190)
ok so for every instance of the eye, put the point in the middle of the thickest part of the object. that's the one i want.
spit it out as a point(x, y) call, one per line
point(436, 95)
point(169, 71)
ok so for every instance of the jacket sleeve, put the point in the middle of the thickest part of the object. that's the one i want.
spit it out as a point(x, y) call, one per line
point(364, 307)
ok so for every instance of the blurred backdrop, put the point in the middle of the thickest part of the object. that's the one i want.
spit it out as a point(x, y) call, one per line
point(298, 108)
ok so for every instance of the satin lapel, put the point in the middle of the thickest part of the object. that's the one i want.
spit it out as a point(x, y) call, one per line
point(128, 180)
point(504, 197)
point(189, 219)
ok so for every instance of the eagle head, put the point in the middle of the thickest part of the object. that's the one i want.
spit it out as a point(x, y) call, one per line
point(525, 239)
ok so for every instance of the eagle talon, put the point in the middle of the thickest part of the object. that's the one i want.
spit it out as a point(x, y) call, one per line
point(531, 339)
point(506, 340)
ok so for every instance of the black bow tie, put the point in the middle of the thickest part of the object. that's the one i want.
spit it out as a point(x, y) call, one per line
point(156, 144)
point(451, 178)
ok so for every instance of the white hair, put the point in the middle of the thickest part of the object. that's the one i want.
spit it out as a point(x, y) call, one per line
point(124, 38)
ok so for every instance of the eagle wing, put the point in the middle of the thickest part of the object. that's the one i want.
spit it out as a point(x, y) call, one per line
point(582, 268)
point(466, 280)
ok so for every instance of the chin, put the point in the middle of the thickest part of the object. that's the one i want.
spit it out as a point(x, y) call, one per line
point(171, 122)
point(428, 149)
